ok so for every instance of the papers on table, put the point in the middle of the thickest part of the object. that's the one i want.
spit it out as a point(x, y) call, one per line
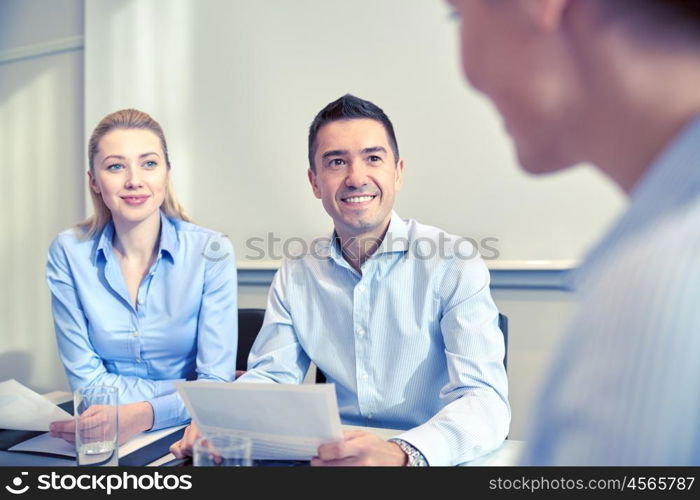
point(44, 443)
point(286, 421)
point(23, 409)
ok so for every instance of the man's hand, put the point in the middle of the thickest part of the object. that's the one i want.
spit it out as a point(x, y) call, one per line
point(133, 418)
point(183, 448)
point(359, 448)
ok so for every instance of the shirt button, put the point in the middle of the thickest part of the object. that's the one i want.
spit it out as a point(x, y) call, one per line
point(369, 415)
point(136, 333)
point(140, 302)
point(361, 332)
point(361, 288)
point(364, 376)
point(138, 360)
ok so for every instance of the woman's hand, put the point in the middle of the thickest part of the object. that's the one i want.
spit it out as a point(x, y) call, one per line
point(133, 418)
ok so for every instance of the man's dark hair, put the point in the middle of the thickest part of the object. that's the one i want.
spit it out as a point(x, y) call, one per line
point(673, 17)
point(350, 107)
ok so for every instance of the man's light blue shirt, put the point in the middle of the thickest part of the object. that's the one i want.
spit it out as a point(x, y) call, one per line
point(625, 388)
point(412, 343)
point(184, 325)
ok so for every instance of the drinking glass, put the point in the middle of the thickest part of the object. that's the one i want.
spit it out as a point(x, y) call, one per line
point(97, 425)
point(226, 449)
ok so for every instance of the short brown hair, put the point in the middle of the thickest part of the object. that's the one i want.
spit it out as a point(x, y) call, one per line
point(349, 107)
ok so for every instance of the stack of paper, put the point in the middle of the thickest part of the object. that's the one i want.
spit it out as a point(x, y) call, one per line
point(44, 443)
point(285, 421)
point(23, 409)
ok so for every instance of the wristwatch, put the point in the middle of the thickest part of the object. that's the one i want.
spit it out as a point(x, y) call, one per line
point(415, 457)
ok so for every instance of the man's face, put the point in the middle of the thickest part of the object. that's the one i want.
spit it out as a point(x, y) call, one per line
point(356, 175)
point(523, 68)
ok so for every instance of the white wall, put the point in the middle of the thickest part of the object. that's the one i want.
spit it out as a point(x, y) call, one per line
point(41, 129)
point(235, 83)
point(536, 318)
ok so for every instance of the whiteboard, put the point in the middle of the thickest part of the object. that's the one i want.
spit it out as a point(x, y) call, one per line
point(236, 83)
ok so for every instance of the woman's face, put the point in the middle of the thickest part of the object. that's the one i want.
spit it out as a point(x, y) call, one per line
point(131, 175)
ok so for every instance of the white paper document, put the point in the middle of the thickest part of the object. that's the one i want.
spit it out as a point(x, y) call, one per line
point(285, 421)
point(44, 443)
point(25, 410)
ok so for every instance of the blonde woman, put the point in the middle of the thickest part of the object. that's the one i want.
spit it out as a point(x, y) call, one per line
point(141, 297)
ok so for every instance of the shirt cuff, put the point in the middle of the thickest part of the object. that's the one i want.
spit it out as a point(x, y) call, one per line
point(168, 410)
point(430, 443)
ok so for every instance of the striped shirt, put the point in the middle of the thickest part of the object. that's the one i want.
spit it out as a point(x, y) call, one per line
point(625, 388)
point(412, 343)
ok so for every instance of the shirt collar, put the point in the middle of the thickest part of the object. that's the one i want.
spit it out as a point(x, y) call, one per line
point(104, 243)
point(169, 242)
point(671, 181)
point(395, 240)
point(168, 239)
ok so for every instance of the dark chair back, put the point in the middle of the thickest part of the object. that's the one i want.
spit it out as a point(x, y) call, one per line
point(502, 324)
point(249, 323)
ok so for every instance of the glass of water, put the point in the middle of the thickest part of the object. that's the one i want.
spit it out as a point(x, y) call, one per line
point(96, 425)
point(225, 449)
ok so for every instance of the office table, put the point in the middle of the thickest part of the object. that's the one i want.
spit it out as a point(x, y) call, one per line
point(505, 455)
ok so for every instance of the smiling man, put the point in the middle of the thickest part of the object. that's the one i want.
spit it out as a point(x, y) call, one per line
point(407, 333)
point(357, 183)
point(614, 83)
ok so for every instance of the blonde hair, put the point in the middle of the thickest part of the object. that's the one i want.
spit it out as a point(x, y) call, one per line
point(125, 119)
